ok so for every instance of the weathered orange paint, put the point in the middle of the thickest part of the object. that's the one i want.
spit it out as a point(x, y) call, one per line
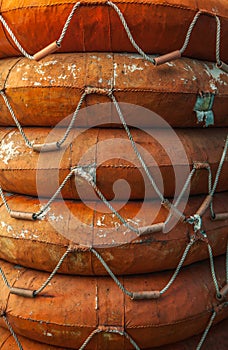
point(44, 93)
point(111, 151)
point(216, 340)
point(70, 308)
point(46, 241)
point(157, 26)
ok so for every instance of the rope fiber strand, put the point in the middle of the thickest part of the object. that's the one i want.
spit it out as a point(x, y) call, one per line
point(12, 332)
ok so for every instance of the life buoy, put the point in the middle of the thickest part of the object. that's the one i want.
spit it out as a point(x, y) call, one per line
point(107, 156)
point(70, 309)
point(156, 26)
point(216, 340)
point(45, 241)
point(44, 93)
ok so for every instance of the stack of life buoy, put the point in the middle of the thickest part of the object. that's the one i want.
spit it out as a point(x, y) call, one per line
point(88, 261)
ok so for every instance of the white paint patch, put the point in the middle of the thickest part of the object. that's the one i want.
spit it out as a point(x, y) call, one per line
point(48, 334)
point(110, 82)
point(170, 64)
point(95, 57)
point(61, 76)
point(132, 68)
point(135, 221)
point(24, 234)
point(55, 218)
point(38, 70)
point(215, 73)
point(6, 226)
point(8, 150)
point(117, 225)
point(213, 86)
point(100, 221)
point(101, 234)
point(115, 75)
point(49, 63)
point(184, 80)
point(36, 83)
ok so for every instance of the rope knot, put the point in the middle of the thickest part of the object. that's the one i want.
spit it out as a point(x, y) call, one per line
point(218, 308)
point(196, 221)
point(199, 234)
point(201, 165)
point(83, 174)
point(111, 329)
point(73, 247)
point(99, 91)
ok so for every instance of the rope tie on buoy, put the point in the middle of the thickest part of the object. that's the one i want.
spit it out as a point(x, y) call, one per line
point(28, 293)
point(178, 53)
point(145, 295)
point(114, 330)
point(172, 208)
point(54, 46)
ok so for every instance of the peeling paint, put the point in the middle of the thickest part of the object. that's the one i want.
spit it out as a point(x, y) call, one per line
point(8, 227)
point(36, 83)
point(95, 57)
point(53, 217)
point(48, 334)
point(170, 64)
point(8, 150)
point(115, 75)
point(49, 63)
point(132, 68)
point(215, 73)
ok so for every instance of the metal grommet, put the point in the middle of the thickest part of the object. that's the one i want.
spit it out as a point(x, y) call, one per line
point(219, 296)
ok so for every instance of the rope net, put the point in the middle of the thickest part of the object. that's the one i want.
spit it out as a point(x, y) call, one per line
point(195, 221)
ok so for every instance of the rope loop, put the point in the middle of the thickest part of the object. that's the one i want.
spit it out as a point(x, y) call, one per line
point(99, 91)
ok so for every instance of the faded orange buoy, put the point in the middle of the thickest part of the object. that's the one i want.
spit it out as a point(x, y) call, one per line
point(81, 305)
point(156, 27)
point(102, 156)
point(45, 241)
point(179, 92)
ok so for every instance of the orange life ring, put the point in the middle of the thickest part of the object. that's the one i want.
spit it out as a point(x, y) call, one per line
point(70, 309)
point(44, 93)
point(108, 156)
point(156, 26)
point(216, 340)
point(47, 240)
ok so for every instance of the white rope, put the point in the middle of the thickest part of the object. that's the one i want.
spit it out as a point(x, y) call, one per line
point(206, 331)
point(67, 23)
point(8, 105)
point(12, 332)
point(190, 29)
point(13, 37)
